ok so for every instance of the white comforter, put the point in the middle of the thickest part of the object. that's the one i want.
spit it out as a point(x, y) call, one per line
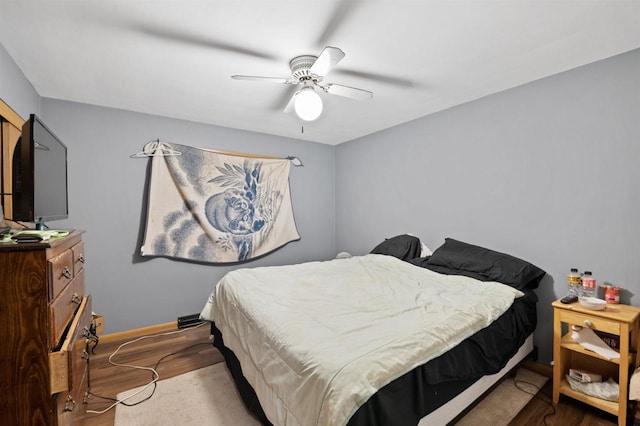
point(316, 340)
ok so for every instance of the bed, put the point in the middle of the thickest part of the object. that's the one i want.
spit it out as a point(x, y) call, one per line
point(388, 338)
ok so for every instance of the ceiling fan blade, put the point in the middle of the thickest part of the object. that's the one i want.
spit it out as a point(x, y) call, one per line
point(343, 10)
point(348, 92)
point(291, 103)
point(199, 40)
point(266, 79)
point(383, 78)
point(328, 59)
point(283, 97)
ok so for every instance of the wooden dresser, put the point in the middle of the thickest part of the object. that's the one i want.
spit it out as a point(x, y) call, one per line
point(45, 332)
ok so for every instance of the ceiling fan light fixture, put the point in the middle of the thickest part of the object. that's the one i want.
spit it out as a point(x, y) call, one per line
point(308, 71)
point(308, 104)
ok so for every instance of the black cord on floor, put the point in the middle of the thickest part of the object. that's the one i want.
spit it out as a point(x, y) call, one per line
point(553, 408)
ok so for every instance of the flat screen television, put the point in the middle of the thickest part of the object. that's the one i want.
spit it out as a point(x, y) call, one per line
point(39, 175)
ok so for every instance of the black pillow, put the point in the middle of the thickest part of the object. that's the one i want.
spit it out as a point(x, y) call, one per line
point(485, 264)
point(404, 247)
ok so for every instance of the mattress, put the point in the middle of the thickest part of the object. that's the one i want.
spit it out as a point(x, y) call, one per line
point(457, 396)
point(435, 383)
point(469, 347)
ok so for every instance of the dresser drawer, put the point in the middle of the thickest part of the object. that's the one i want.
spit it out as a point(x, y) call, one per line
point(78, 257)
point(62, 308)
point(60, 269)
point(64, 362)
point(70, 367)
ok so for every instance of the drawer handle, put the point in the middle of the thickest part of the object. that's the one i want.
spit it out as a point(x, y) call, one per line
point(81, 258)
point(85, 354)
point(66, 272)
point(69, 404)
point(587, 323)
point(76, 299)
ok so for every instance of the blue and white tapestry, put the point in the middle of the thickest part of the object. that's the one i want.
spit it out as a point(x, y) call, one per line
point(211, 207)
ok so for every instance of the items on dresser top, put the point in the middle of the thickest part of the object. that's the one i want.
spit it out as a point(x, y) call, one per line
point(26, 238)
point(31, 235)
point(44, 234)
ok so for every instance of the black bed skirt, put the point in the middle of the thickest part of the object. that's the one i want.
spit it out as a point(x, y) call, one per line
point(406, 400)
point(244, 388)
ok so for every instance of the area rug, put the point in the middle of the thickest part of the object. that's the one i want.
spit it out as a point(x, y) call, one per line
point(506, 400)
point(208, 396)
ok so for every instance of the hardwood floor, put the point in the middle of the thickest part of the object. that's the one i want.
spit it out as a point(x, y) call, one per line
point(174, 354)
point(569, 412)
point(191, 349)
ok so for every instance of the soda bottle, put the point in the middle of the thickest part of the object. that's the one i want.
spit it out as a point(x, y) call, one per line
point(588, 285)
point(573, 282)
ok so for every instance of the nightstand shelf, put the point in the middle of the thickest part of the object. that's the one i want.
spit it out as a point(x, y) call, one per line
point(602, 404)
point(619, 320)
point(568, 343)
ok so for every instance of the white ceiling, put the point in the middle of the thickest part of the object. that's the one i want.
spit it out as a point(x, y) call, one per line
point(174, 58)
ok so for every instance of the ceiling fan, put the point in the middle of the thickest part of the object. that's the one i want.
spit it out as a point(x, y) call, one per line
point(309, 71)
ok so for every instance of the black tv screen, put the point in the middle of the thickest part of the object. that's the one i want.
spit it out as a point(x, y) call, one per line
point(39, 175)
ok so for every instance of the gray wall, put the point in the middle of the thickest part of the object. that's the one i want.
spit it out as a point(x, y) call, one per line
point(107, 188)
point(548, 172)
point(15, 90)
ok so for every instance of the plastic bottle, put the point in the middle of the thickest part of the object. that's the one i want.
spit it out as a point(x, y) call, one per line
point(574, 282)
point(589, 288)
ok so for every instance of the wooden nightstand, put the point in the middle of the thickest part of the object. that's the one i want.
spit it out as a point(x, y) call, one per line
point(620, 320)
